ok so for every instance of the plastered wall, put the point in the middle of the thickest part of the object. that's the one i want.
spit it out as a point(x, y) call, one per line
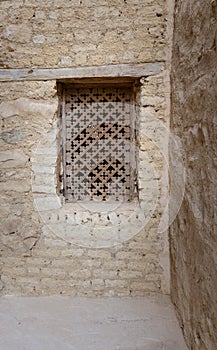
point(193, 122)
point(35, 257)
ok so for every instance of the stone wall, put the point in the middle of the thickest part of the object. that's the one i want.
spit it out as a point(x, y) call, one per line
point(38, 255)
point(81, 32)
point(193, 233)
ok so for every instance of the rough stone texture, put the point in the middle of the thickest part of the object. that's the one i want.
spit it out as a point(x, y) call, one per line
point(35, 260)
point(193, 234)
point(81, 32)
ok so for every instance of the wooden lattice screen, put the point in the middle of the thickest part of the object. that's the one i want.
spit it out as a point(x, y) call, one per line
point(98, 134)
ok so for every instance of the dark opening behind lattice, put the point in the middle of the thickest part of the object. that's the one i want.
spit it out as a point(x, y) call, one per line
point(98, 134)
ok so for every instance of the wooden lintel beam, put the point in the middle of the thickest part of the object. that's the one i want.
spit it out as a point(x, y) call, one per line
point(110, 71)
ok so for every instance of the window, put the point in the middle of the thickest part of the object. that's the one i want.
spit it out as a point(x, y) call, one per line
point(98, 136)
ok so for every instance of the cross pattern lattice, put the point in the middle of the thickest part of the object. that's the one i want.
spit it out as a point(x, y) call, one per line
point(97, 143)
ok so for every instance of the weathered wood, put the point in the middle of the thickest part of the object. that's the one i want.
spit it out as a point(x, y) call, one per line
point(112, 71)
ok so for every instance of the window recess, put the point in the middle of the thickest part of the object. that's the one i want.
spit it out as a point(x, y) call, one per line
point(98, 142)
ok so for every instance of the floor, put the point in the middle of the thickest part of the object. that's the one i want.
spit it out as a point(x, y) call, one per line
point(66, 323)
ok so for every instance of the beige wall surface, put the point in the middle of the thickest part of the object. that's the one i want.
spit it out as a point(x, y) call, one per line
point(40, 248)
point(193, 234)
point(58, 33)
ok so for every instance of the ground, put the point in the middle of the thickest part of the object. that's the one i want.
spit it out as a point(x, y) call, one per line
point(66, 323)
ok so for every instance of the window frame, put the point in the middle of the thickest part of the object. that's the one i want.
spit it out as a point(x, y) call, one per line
point(133, 84)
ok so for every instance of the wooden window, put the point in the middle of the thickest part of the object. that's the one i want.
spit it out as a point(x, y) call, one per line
point(98, 142)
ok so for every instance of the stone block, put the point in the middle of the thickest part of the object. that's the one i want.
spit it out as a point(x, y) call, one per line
point(43, 169)
point(27, 107)
point(13, 136)
point(13, 158)
point(44, 189)
point(38, 39)
point(47, 203)
point(15, 186)
point(20, 33)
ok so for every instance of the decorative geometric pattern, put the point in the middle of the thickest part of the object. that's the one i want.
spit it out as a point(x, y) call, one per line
point(98, 134)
